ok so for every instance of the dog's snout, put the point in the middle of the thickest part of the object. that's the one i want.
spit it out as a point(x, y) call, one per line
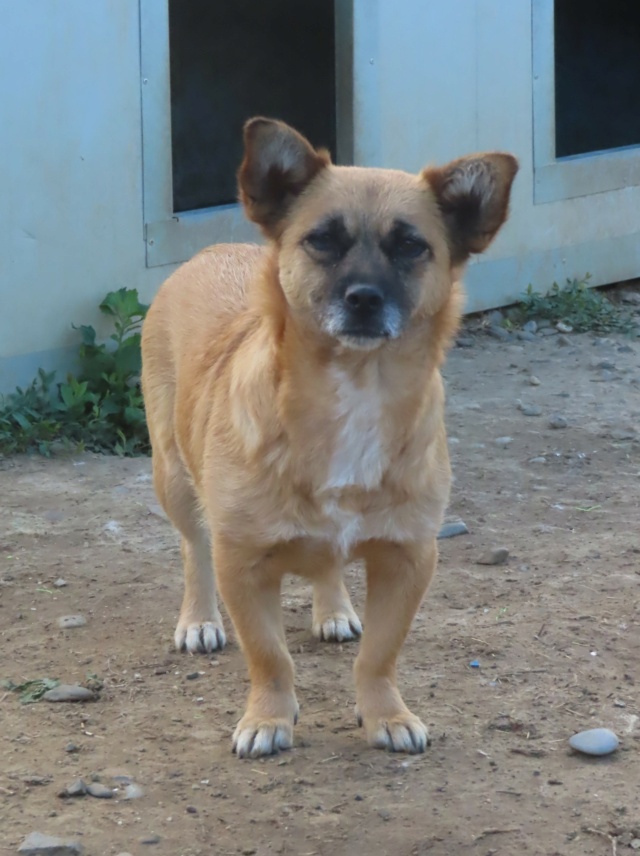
point(364, 298)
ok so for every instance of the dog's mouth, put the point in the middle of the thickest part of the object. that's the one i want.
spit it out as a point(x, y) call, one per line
point(365, 334)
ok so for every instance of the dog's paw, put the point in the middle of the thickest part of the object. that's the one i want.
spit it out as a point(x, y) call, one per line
point(200, 638)
point(341, 627)
point(403, 732)
point(256, 737)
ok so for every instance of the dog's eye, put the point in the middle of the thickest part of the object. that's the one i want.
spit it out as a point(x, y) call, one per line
point(323, 242)
point(409, 247)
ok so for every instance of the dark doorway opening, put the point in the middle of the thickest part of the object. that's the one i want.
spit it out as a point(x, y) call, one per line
point(597, 70)
point(233, 59)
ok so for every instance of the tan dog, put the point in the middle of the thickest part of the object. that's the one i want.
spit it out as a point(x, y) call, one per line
point(296, 408)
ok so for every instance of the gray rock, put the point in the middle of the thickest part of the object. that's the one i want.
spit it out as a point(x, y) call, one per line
point(622, 434)
point(76, 789)
point(562, 327)
point(495, 317)
point(465, 342)
point(453, 528)
point(534, 381)
point(548, 331)
point(603, 364)
point(69, 692)
point(133, 792)
point(526, 336)
point(540, 459)
point(625, 349)
point(635, 844)
point(556, 420)
point(60, 583)
point(530, 410)
point(71, 747)
point(530, 326)
point(500, 333)
point(101, 792)
point(497, 556)
point(150, 839)
point(69, 621)
point(595, 741)
point(503, 441)
point(37, 844)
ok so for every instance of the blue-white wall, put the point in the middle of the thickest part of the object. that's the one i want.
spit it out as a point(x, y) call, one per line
point(71, 205)
point(81, 214)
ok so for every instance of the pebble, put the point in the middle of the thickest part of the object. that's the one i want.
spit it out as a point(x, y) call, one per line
point(495, 317)
point(562, 327)
point(500, 333)
point(609, 365)
point(101, 792)
point(133, 792)
point(625, 349)
point(530, 409)
point(525, 336)
point(557, 421)
point(548, 331)
point(60, 583)
point(465, 342)
point(635, 844)
point(68, 621)
point(497, 556)
point(37, 844)
point(503, 441)
point(530, 327)
point(534, 381)
point(150, 839)
point(540, 459)
point(75, 789)
point(453, 528)
point(69, 692)
point(595, 741)
point(71, 747)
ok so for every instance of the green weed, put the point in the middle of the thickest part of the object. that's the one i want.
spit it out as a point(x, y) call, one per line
point(582, 308)
point(100, 408)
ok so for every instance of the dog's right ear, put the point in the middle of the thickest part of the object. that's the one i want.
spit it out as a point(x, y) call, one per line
point(278, 164)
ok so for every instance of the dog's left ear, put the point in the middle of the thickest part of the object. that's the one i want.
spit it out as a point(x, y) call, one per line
point(473, 195)
point(278, 164)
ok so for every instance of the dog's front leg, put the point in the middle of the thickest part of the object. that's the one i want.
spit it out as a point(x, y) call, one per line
point(397, 578)
point(250, 587)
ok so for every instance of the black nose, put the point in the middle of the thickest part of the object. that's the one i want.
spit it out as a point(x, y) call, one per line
point(364, 298)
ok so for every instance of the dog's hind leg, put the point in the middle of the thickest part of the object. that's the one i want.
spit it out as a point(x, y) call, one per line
point(333, 617)
point(200, 627)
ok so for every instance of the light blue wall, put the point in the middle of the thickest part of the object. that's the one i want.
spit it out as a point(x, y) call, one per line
point(71, 206)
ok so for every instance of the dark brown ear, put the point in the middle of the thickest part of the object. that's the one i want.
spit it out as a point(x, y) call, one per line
point(278, 164)
point(473, 194)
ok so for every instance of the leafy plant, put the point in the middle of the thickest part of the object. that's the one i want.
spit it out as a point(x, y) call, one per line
point(100, 408)
point(30, 691)
point(581, 307)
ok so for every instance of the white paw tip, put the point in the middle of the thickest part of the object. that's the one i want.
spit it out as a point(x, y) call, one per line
point(200, 638)
point(262, 740)
point(338, 629)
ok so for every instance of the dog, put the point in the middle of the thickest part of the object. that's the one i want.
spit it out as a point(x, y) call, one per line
point(296, 411)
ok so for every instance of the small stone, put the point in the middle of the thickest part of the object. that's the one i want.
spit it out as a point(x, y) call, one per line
point(69, 692)
point(192, 676)
point(635, 844)
point(548, 331)
point(71, 747)
point(37, 844)
point(150, 839)
point(530, 326)
point(530, 410)
point(453, 528)
point(384, 814)
point(495, 317)
point(101, 792)
point(557, 421)
point(76, 789)
point(497, 556)
point(595, 741)
point(503, 441)
point(539, 459)
point(60, 583)
point(625, 349)
point(69, 621)
point(500, 333)
point(534, 381)
point(465, 342)
point(191, 809)
point(133, 792)
point(562, 327)
point(620, 434)
point(603, 364)
point(525, 336)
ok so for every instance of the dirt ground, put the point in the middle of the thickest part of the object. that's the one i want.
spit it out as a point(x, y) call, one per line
point(555, 630)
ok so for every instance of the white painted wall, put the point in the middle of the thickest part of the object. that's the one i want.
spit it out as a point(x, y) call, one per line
point(432, 80)
point(71, 222)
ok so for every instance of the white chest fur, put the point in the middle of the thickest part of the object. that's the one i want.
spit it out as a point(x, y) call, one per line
point(358, 457)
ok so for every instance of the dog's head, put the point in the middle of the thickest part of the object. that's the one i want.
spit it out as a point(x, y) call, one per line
point(364, 252)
